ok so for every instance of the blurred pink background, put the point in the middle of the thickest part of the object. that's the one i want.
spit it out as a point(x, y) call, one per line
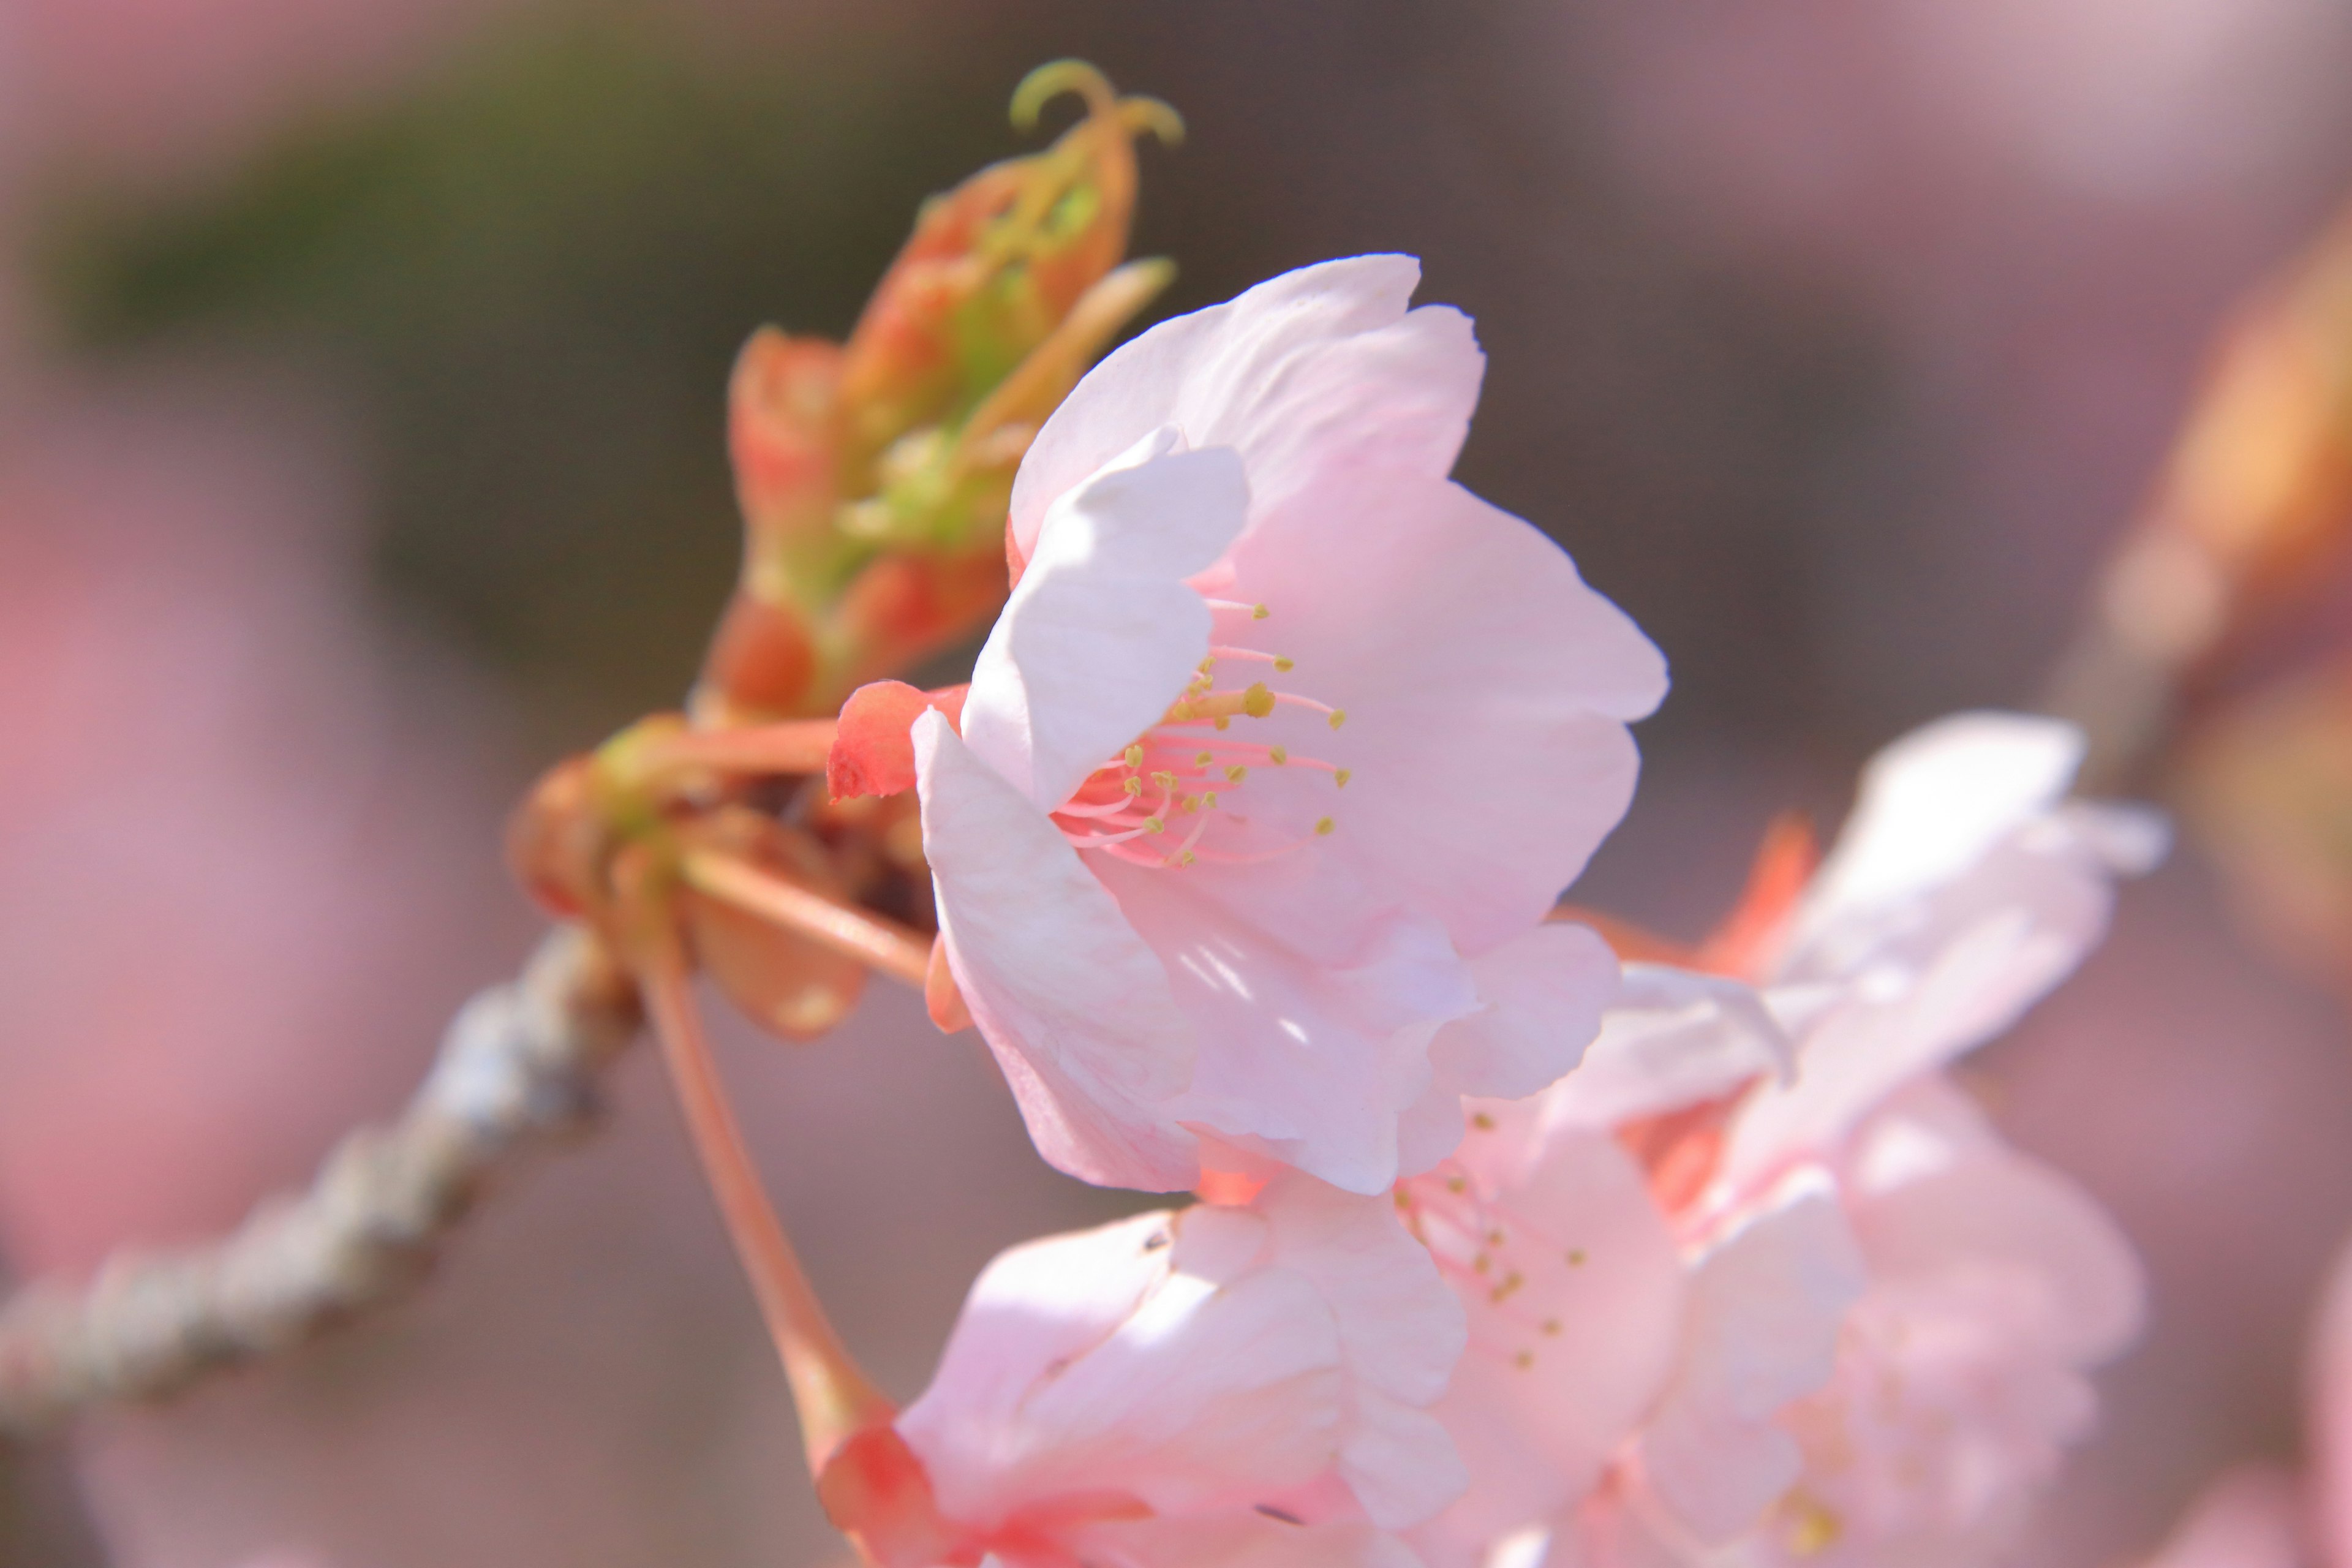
point(360, 365)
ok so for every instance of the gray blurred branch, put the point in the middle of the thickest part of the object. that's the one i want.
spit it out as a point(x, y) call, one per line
point(517, 1070)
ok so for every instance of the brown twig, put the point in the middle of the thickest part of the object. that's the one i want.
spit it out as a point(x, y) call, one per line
point(517, 1070)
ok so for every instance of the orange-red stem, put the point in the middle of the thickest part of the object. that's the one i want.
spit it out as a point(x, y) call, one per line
point(870, 939)
point(834, 1396)
point(797, 746)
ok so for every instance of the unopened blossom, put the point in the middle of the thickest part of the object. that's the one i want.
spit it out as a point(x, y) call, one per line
point(1883, 1314)
point(1282, 749)
point(1202, 1388)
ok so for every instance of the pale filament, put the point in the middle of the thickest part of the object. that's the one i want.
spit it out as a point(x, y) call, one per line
point(1471, 1240)
point(1193, 768)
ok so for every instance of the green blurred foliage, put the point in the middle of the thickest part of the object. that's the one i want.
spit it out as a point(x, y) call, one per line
point(531, 277)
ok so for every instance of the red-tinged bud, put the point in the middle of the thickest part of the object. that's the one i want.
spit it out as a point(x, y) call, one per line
point(874, 479)
point(782, 432)
point(558, 844)
point(873, 748)
point(994, 266)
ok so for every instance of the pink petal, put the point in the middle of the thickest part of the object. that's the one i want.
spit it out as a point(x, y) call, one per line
point(1153, 1359)
point(1671, 1039)
point(1544, 991)
point(1542, 994)
point(1240, 1540)
point(1762, 1330)
point(1307, 1063)
point(1935, 1189)
point(1487, 690)
point(1077, 1009)
point(1101, 635)
point(1319, 364)
point(1400, 1325)
point(1536, 1434)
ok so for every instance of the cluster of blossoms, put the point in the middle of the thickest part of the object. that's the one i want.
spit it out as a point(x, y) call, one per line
point(1246, 840)
point(1518, 1238)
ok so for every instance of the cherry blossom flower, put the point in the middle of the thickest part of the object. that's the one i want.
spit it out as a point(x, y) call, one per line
point(1851, 1325)
point(1282, 749)
point(1184, 1387)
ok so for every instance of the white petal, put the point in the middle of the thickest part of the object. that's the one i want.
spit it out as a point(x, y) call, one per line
point(1077, 1009)
point(1101, 635)
point(1321, 363)
point(1221, 1379)
point(1934, 804)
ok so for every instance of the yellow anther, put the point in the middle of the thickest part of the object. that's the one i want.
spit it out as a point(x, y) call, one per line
point(1338, 717)
point(1284, 663)
point(1482, 1263)
point(1164, 780)
point(1551, 1325)
point(1325, 824)
point(1224, 723)
point(1404, 1199)
point(1153, 825)
point(1257, 701)
point(1277, 755)
point(1511, 1282)
point(1207, 664)
point(1133, 786)
point(1482, 1122)
point(1576, 1257)
point(1180, 711)
point(1186, 858)
point(1524, 1359)
point(1188, 803)
point(1341, 776)
point(1135, 756)
point(1235, 774)
point(1210, 800)
point(1201, 758)
point(1457, 1183)
point(1259, 612)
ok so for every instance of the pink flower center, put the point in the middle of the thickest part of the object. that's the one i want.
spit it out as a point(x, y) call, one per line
point(1180, 792)
point(1486, 1248)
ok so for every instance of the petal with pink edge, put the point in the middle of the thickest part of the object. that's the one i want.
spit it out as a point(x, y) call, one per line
point(1101, 635)
point(1321, 363)
point(1075, 1006)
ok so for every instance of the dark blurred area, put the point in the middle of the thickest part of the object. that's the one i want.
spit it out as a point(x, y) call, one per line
point(362, 370)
